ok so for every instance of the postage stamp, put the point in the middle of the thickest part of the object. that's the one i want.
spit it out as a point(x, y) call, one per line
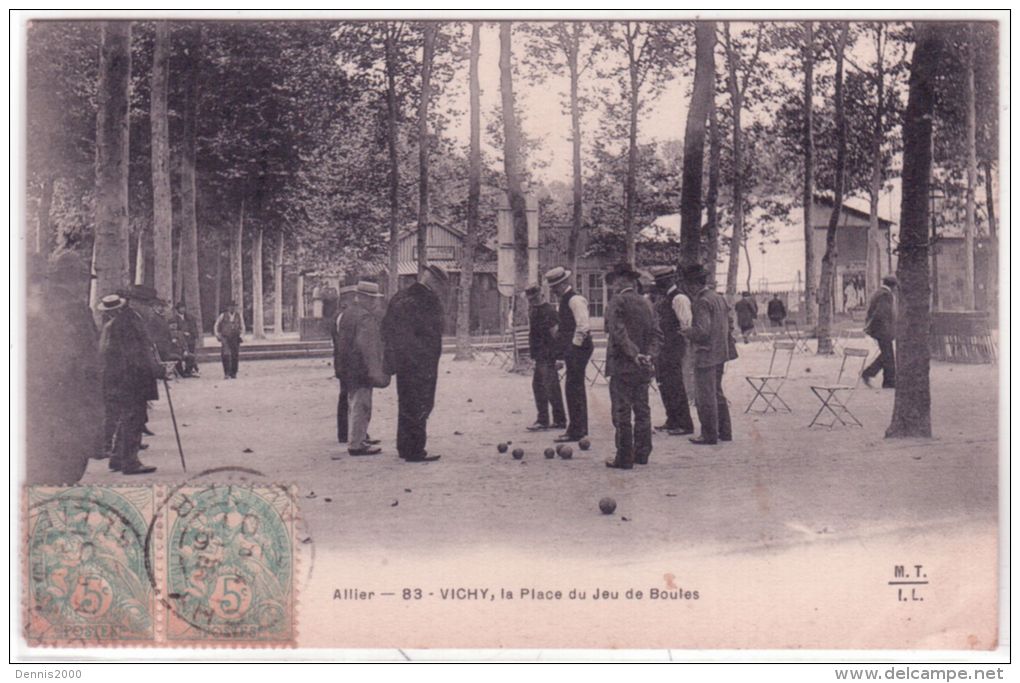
point(230, 565)
point(87, 580)
point(158, 565)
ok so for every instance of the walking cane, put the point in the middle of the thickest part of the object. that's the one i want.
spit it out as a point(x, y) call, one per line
point(173, 418)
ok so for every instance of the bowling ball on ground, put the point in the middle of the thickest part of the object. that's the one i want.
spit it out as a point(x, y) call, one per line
point(518, 453)
point(607, 505)
point(502, 448)
point(584, 443)
point(566, 452)
point(550, 453)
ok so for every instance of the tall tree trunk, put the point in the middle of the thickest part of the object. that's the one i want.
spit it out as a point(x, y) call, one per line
point(968, 226)
point(392, 32)
point(747, 256)
point(111, 260)
point(299, 299)
point(278, 286)
point(577, 216)
point(467, 260)
point(630, 201)
point(912, 404)
point(828, 274)
point(873, 257)
point(162, 226)
point(189, 221)
point(140, 258)
point(428, 53)
point(737, 104)
point(702, 95)
point(991, 270)
point(512, 168)
point(258, 309)
point(711, 237)
point(218, 288)
point(808, 196)
point(44, 223)
point(237, 265)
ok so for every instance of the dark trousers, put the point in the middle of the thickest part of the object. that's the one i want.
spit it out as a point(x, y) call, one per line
point(775, 322)
point(229, 353)
point(545, 385)
point(341, 415)
point(670, 376)
point(886, 362)
point(576, 360)
point(713, 411)
point(632, 419)
point(127, 437)
point(416, 395)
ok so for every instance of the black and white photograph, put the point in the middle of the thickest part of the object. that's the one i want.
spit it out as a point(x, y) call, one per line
point(419, 333)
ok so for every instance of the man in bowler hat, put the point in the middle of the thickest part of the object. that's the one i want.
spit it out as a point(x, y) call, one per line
point(712, 338)
point(412, 332)
point(360, 345)
point(634, 340)
point(575, 348)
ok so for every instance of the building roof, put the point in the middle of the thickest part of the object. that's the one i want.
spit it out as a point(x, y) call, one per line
point(855, 207)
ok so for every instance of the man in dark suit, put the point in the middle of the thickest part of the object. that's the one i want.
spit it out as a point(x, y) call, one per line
point(673, 315)
point(634, 340)
point(545, 383)
point(360, 362)
point(747, 312)
point(777, 311)
point(575, 348)
point(131, 369)
point(712, 338)
point(881, 326)
point(412, 332)
point(344, 297)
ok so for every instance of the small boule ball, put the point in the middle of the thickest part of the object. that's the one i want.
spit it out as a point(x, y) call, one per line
point(502, 448)
point(566, 452)
point(518, 453)
point(584, 443)
point(550, 453)
point(607, 505)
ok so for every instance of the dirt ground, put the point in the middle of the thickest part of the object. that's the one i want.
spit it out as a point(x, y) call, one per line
point(779, 489)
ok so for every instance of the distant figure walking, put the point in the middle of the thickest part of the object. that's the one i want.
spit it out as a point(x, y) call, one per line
point(881, 326)
point(747, 312)
point(776, 311)
point(228, 330)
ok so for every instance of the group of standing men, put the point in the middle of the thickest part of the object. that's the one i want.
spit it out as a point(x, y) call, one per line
point(646, 340)
point(370, 347)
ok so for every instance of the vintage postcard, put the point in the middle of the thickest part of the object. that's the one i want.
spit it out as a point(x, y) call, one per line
point(656, 333)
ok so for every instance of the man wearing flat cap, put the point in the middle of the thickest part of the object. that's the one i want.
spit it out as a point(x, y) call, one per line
point(634, 340)
point(711, 335)
point(881, 326)
point(673, 314)
point(575, 348)
point(412, 332)
point(545, 383)
point(360, 362)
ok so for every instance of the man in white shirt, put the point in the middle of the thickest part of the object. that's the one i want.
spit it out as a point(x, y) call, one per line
point(673, 313)
point(575, 344)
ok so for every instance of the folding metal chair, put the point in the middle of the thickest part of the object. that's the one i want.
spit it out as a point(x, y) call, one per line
point(502, 350)
point(835, 398)
point(794, 334)
point(598, 366)
point(767, 387)
point(763, 336)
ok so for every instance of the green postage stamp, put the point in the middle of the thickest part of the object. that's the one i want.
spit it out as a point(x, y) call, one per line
point(160, 565)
